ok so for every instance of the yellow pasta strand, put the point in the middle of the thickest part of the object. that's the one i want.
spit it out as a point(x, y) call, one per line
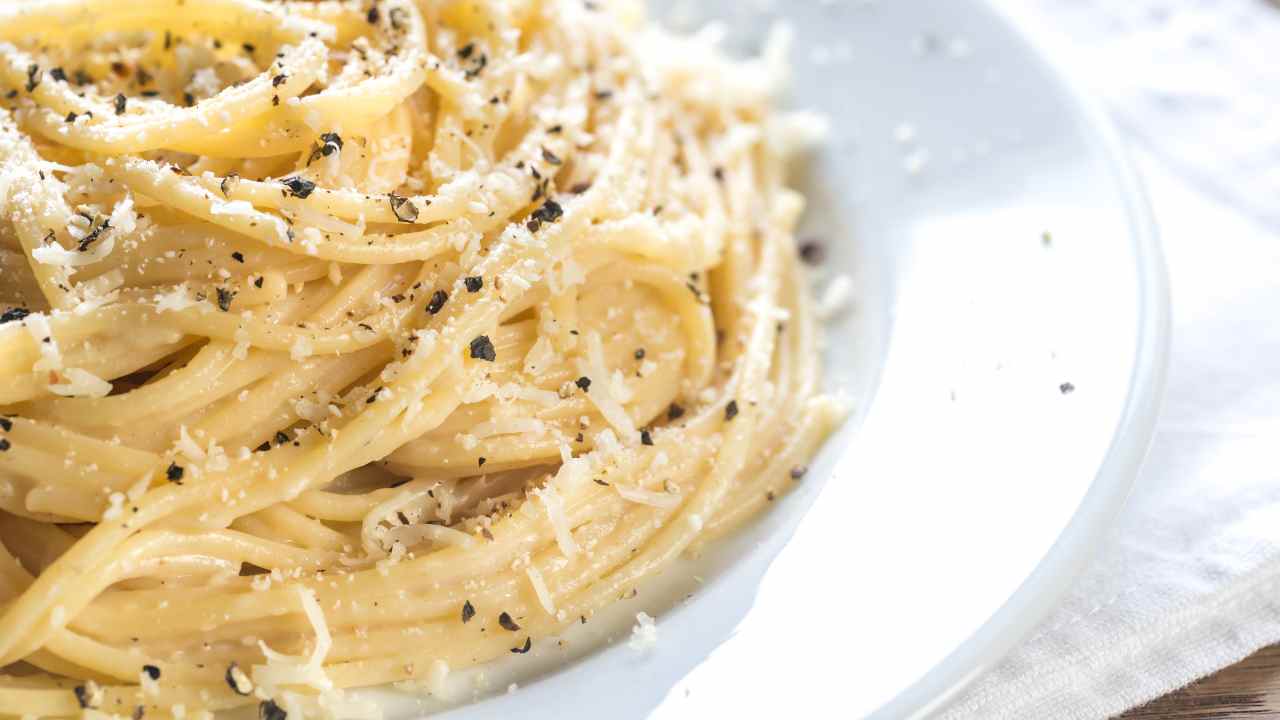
point(338, 338)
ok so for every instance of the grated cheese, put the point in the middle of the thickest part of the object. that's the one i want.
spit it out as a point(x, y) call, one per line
point(600, 393)
point(644, 635)
point(648, 497)
point(175, 299)
point(540, 589)
point(554, 506)
point(38, 327)
point(81, 383)
point(301, 349)
point(835, 298)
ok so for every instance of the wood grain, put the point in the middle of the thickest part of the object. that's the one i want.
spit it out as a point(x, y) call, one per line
point(1249, 689)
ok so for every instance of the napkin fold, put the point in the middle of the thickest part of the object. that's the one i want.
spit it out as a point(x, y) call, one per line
point(1188, 581)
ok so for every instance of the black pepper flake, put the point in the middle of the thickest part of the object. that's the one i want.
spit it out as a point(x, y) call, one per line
point(248, 47)
point(237, 256)
point(405, 211)
point(1066, 388)
point(550, 157)
point(168, 40)
point(6, 424)
point(281, 438)
point(269, 710)
point(639, 354)
point(258, 281)
point(539, 192)
point(579, 188)
point(4, 445)
point(675, 412)
point(237, 680)
point(812, 252)
point(174, 473)
point(11, 94)
point(225, 297)
point(396, 16)
point(600, 481)
point(83, 697)
point(120, 103)
point(438, 299)
point(465, 51)
point(718, 174)
point(528, 643)
point(279, 80)
point(583, 383)
point(555, 129)
point(58, 74)
point(227, 183)
point(299, 187)
point(373, 16)
point(604, 94)
point(480, 462)
point(83, 78)
point(480, 62)
point(507, 623)
point(93, 236)
point(468, 611)
point(330, 143)
point(798, 472)
point(646, 438)
point(482, 349)
point(731, 410)
point(265, 446)
point(71, 117)
point(275, 100)
point(152, 671)
point(33, 79)
point(548, 212)
point(13, 314)
point(474, 283)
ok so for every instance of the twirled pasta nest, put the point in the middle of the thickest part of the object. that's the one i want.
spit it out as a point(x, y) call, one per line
point(393, 335)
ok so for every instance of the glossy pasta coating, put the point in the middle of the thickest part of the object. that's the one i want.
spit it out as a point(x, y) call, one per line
point(345, 343)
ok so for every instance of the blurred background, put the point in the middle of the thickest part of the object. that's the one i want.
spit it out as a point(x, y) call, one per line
point(1195, 82)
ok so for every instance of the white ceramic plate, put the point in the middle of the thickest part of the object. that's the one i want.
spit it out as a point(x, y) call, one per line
point(947, 517)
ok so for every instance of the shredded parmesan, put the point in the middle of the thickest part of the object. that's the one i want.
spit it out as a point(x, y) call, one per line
point(836, 298)
point(554, 505)
point(81, 383)
point(648, 497)
point(601, 392)
point(38, 327)
point(644, 635)
point(540, 589)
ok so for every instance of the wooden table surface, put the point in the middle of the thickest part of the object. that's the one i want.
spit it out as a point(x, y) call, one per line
point(1250, 689)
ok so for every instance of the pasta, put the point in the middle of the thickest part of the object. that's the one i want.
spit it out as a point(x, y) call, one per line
point(345, 343)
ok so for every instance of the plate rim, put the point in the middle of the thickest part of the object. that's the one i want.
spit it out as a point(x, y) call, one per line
point(1040, 592)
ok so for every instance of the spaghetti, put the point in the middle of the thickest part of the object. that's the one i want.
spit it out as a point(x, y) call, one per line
point(345, 343)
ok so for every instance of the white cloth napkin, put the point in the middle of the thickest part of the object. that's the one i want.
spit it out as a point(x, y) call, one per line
point(1189, 580)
